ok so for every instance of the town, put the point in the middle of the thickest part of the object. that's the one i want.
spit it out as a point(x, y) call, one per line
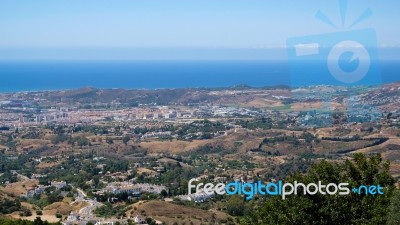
point(77, 157)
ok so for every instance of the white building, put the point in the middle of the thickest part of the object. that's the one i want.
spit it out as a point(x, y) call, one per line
point(139, 219)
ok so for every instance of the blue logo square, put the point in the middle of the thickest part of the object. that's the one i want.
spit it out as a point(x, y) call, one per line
point(342, 58)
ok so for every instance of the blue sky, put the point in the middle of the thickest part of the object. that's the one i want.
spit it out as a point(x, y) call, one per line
point(47, 28)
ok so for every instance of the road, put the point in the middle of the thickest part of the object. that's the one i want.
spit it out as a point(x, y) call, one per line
point(86, 213)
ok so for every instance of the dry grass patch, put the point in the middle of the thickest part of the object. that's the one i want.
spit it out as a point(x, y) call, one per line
point(19, 188)
point(62, 208)
point(171, 213)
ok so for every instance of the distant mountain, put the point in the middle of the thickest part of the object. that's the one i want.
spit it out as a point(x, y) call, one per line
point(386, 97)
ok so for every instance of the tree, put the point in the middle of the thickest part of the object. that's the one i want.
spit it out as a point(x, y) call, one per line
point(9, 206)
point(109, 140)
point(150, 221)
point(164, 193)
point(332, 209)
point(126, 139)
point(38, 221)
point(235, 206)
point(394, 209)
point(96, 181)
point(83, 141)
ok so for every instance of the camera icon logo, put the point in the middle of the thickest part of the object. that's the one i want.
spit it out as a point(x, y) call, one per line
point(339, 66)
point(343, 58)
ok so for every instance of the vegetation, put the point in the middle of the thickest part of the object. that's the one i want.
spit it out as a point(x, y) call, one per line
point(9, 206)
point(394, 209)
point(235, 206)
point(205, 128)
point(50, 196)
point(109, 211)
point(126, 139)
point(333, 209)
point(37, 221)
point(59, 138)
point(262, 123)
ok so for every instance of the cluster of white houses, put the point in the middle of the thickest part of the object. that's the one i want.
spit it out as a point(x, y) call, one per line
point(41, 188)
point(131, 189)
point(74, 218)
point(196, 197)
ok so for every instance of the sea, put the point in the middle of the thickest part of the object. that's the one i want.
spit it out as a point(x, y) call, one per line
point(18, 76)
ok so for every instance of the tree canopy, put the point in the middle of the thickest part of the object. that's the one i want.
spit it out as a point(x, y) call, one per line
point(37, 221)
point(332, 209)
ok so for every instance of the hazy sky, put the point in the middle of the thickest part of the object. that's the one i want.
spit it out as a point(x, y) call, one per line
point(48, 25)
